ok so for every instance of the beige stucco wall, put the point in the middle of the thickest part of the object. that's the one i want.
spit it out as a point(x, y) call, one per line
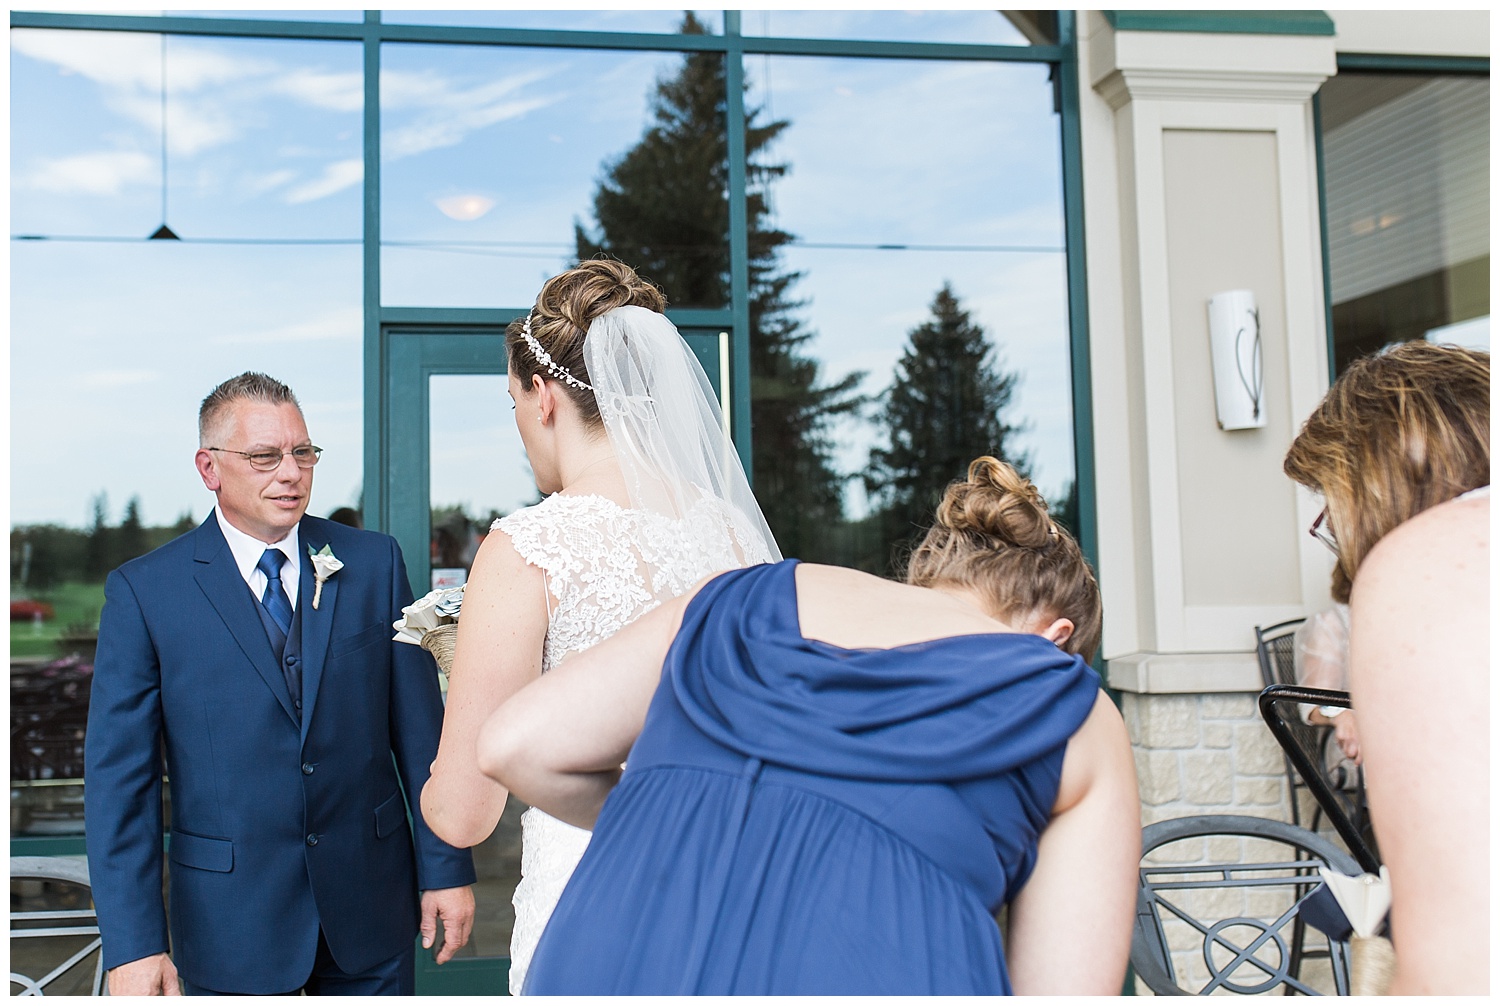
point(1413, 33)
point(1223, 209)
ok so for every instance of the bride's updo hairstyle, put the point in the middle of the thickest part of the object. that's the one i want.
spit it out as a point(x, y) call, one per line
point(993, 536)
point(568, 304)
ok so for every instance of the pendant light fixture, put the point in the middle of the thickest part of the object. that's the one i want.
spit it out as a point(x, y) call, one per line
point(164, 233)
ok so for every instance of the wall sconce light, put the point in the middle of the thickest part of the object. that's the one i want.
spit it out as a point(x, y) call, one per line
point(1239, 371)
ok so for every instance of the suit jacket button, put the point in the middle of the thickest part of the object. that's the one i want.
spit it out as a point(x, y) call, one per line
point(307, 768)
point(312, 839)
point(291, 661)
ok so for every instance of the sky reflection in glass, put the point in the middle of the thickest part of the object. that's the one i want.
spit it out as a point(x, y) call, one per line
point(502, 146)
point(114, 344)
point(489, 156)
point(981, 27)
point(905, 175)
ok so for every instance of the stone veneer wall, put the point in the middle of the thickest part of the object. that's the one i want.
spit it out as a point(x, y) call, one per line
point(1204, 754)
point(1211, 753)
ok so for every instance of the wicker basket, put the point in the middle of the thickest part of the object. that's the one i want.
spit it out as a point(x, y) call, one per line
point(440, 643)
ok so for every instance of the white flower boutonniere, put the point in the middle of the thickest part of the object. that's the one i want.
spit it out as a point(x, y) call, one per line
point(325, 564)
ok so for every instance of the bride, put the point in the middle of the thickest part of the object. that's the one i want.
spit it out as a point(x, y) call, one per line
point(644, 497)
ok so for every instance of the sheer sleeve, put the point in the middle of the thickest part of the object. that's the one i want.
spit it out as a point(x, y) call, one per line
point(1321, 651)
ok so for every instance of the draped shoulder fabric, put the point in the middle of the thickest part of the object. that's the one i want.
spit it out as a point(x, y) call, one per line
point(802, 818)
point(947, 709)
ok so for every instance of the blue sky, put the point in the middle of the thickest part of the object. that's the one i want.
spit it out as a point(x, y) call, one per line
point(116, 343)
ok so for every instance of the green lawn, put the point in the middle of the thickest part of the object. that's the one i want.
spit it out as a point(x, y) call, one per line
point(71, 602)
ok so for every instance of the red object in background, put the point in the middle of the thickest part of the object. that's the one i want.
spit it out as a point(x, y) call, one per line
point(29, 611)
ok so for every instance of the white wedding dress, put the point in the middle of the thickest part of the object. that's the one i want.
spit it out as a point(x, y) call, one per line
point(605, 566)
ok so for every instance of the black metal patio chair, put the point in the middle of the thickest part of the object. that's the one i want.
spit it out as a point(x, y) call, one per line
point(1345, 811)
point(54, 933)
point(1237, 914)
point(1275, 650)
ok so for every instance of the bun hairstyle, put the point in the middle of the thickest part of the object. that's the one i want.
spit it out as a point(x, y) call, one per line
point(568, 303)
point(1399, 432)
point(993, 535)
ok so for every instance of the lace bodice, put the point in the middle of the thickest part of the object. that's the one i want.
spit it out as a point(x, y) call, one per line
point(605, 566)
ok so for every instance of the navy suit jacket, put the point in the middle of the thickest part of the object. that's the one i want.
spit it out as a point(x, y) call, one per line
point(280, 822)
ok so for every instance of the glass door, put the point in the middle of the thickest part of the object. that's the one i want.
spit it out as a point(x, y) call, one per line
point(453, 463)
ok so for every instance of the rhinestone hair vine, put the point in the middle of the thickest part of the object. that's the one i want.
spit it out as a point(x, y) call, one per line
point(543, 357)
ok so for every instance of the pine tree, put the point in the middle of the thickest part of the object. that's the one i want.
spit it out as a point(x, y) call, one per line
point(663, 208)
point(99, 551)
point(1064, 509)
point(130, 537)
point(945, 408)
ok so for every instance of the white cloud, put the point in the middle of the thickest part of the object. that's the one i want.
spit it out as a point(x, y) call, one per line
point(101, 173)
point(446, 114)
point(337, 92)
point(345, 325)
point(120, 60)
point(214, 97)
point(102, 379)
point(262, 183)
point(336, 177)
point(209, 91)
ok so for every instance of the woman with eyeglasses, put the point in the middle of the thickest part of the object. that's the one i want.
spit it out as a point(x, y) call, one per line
point(1399, 449)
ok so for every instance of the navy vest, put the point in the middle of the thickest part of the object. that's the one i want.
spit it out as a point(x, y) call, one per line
point(290, 656)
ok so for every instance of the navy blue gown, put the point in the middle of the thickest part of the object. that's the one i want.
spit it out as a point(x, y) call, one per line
point(801, 818)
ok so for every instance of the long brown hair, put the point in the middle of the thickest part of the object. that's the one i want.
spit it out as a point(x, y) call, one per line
point(993, 535)
point(1398, 432)
point(566, 306)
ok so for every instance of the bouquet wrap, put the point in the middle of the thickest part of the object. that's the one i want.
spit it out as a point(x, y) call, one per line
point(440, 642)
point(1372, 965)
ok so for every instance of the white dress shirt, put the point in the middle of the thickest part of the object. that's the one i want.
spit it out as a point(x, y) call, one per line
point(247, 552)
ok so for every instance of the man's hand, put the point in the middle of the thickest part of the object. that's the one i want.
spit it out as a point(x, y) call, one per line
point(153, 976)
point(455, 906)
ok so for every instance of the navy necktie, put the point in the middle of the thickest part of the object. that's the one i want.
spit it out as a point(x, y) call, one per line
point(274, 600)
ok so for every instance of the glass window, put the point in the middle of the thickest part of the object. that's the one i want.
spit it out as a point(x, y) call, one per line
point(478, 472)
point(490, 157)
point(268, 15)
point(650, 21)
point(1406, 171)
point(913, 293)
point(116, 339)
point(982, 27)
point(478, 467)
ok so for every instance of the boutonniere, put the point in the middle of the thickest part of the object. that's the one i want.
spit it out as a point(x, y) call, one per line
point(325, 564)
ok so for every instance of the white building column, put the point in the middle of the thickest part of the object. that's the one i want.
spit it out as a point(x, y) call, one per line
point(1200, 176)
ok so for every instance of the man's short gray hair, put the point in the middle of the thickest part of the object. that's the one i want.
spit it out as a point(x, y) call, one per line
point(249, 386)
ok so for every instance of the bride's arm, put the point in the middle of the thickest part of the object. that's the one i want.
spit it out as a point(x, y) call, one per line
point(559, 743)
point(500, 635)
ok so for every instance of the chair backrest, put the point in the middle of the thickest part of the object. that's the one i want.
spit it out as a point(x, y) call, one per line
point(1218, 908)
point(1278, 707)
point(1275, 648)
point(55, 947)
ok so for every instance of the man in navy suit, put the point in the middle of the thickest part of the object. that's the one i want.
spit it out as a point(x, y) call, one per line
point(291, 726)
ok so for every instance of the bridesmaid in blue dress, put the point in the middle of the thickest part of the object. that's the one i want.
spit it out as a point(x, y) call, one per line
point(835, 781)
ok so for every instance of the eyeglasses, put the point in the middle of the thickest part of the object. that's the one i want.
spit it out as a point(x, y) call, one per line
point(267, 461)
point(1323, 531)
